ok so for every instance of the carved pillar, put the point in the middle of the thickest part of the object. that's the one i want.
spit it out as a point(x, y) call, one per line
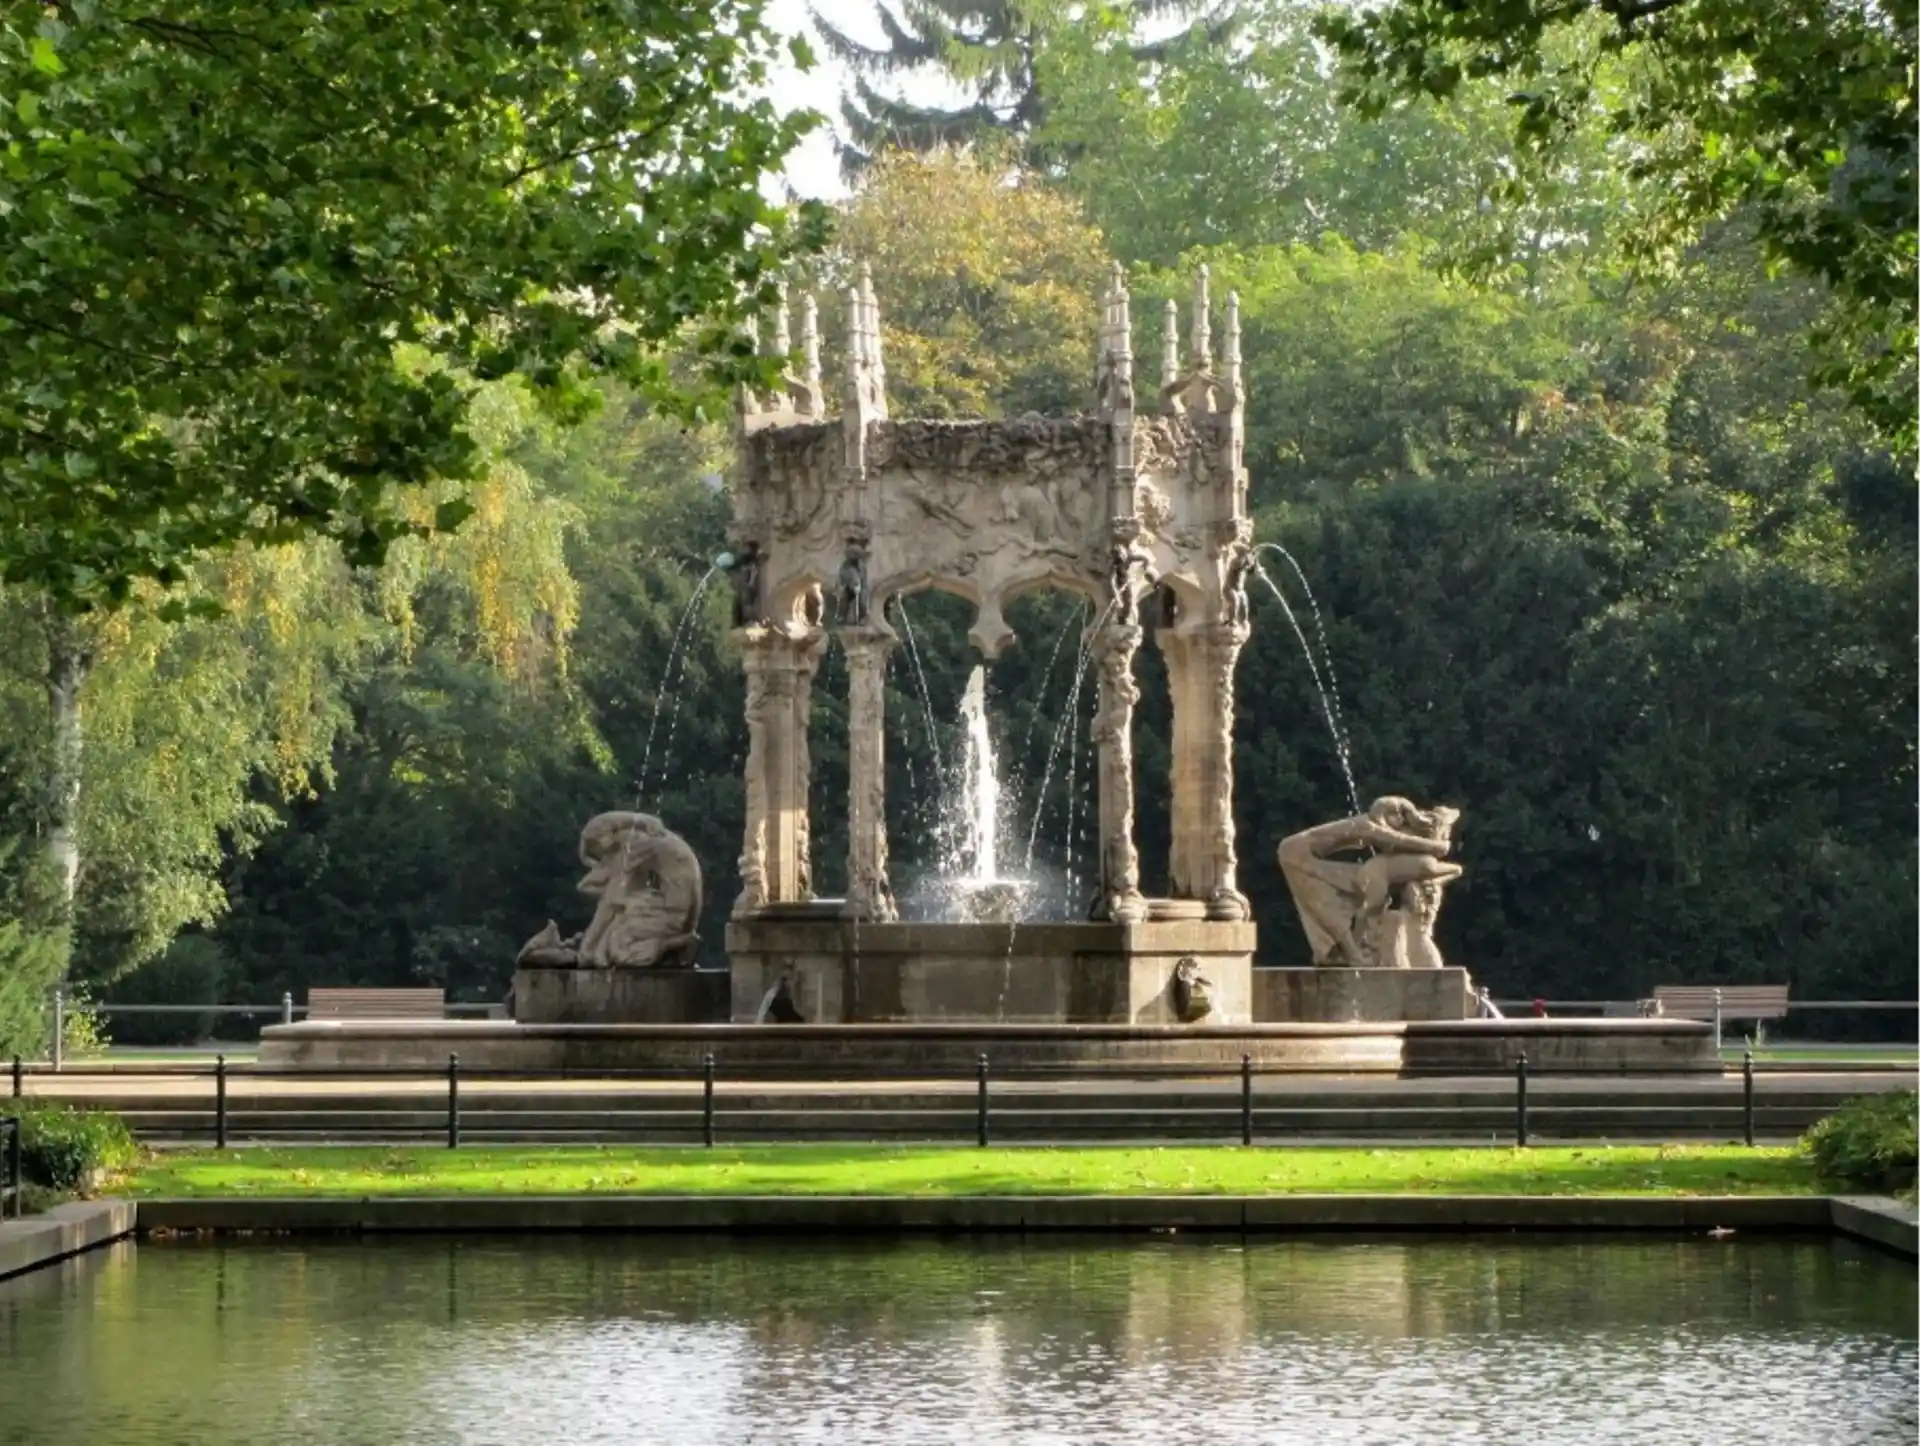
point(1187, 875)
point(807, 649)
point(1220, 649)
point(1114, 647)
point(1204, 863)
point(774, 864)
point(868, 894)
point(760, 746)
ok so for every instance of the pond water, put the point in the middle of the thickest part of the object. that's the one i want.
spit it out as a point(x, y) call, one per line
point(662, 1340)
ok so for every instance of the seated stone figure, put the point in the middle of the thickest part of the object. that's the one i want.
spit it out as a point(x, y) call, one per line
point(649, 886)
point(1377, 910)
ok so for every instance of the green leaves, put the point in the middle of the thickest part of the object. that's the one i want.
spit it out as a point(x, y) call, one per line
point(1800, 113)
point(450, 514)
point(217, 224)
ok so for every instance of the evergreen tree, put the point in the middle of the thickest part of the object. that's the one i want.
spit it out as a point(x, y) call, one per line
point(987, 47)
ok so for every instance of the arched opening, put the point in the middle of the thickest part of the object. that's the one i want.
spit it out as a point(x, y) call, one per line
point(1047, 690)
point(827, 776)
point(1153, 758)
point(926, 676)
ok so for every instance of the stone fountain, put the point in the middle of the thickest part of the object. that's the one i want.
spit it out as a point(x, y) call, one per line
point(1131, 506)
point(1125, 506)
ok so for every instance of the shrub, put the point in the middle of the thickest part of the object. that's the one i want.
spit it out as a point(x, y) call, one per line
point(193, 970)
point(1869, 1143)
point(83, 1029)
point(61, 1146)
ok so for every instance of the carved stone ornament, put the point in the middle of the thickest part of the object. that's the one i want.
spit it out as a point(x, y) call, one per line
point(1192, 991)
point(777, 1005)
point(744, 577)
point(1376, 911)
point(648, 884)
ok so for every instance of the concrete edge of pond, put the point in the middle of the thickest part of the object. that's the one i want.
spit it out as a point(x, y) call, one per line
point(1882, 1222)
point(69, 1229)
point(1879, 1219)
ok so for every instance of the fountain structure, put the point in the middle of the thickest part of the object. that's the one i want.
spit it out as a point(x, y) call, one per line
point(1129, 507)
point(1141, 509)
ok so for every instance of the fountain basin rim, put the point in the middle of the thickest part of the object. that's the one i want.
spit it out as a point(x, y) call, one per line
point(933, 1029)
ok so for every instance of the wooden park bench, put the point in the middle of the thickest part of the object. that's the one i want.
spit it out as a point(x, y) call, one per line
point(1757, 1002)
point(376, 1004)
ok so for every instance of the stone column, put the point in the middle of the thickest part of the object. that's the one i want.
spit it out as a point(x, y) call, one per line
point(1220, 645)
point(774, 864)
point(1114, 647)
point(806, 650)
point(1188, 875)
point(1200, 667)
point(760, 745)
point(869, 896)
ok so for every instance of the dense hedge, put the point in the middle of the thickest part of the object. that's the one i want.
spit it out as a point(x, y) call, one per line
point(60, 1147)
point(1869, 1143)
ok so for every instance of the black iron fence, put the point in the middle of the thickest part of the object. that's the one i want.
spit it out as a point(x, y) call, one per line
point(1056, 1104)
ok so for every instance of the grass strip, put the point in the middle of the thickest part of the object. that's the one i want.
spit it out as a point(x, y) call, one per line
point(942, 1170)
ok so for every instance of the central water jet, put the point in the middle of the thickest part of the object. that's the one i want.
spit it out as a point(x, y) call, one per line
point(979, 894)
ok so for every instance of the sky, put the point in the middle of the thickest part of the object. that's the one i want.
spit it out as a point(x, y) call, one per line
point(814, 170)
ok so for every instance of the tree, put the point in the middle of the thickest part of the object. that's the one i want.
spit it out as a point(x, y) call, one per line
point(171, 741)
point(1247, 143)
point(990, 48)
point(1366, 366)
point(219, 221)
point(1799, 112)
point(448, 827)
point(989, 282)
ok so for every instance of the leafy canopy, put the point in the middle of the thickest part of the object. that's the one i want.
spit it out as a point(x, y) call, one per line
point(1800, 112)
point(220, 218)
point(1248, 142)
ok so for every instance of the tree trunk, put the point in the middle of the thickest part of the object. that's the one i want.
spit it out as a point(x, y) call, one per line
point(67, 662)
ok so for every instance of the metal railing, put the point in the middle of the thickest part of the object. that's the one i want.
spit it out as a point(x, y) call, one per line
point(646, 1105)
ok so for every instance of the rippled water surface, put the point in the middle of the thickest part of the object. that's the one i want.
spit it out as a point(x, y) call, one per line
point(633, 1340)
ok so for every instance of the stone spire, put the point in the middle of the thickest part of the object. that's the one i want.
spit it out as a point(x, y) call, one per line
point(875, 358)
point(1116, 348)
point(747, 406)
point(809, 401)
point(1230, 347)
point(1170, 350)
point(1202, 325)
point(782, 334)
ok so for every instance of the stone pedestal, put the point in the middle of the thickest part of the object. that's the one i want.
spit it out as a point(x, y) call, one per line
point(619, 996)
point(1360, 996)
point(843, 972)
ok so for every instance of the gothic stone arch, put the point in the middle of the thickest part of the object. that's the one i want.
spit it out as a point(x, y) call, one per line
point(1134, 509)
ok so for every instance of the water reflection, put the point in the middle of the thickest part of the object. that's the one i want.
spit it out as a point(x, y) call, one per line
point(608, 1339)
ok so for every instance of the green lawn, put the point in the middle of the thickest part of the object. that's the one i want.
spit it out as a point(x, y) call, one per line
point(1901, 1055)
point(938, 1170)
